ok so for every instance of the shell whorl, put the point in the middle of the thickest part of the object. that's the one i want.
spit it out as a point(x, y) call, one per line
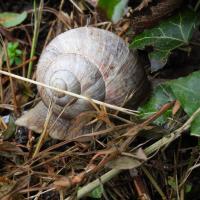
point(88, 61)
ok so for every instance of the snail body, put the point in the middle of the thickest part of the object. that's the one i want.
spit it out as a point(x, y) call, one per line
point(88, 61)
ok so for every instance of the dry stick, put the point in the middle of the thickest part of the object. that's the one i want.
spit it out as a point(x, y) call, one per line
point(91, 186)
point(124, 110)
point(163, 109)
point(125, 145)
point(43, 136)
point(154, 183)
point(149, 150)
point(1, 80)
point(24, 63)
point(135, 130)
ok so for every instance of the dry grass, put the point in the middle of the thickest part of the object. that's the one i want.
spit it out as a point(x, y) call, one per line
point(73, 168)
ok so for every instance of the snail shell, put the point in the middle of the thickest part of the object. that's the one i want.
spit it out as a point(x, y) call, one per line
point(88, 61)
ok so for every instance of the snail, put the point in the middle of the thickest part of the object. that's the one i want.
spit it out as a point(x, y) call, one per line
point(89, 61)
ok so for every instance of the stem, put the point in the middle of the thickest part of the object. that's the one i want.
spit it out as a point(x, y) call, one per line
point(197, 5)
point(91, 186)
point(44, 134)
point(154, 183)
point(12, 88)
point(149, 150)
point(37, 20)
point(118, 108)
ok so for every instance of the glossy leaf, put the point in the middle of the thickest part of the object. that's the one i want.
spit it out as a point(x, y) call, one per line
point(9, 19)
point(161, 95)
point(186, 90)
point(168, 35)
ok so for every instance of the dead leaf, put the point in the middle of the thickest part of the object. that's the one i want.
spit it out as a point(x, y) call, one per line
point(123, 162)
point(79, 123)
point(128, 160)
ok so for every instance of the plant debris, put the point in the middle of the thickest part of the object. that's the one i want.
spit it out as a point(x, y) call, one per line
point(151, 153)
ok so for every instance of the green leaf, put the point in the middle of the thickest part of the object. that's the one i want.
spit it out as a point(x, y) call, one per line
point(188, 187)
point(187, 91)
point(172, 182)
point(160, 96)
point(14, 53)
point(114, 9)
point(8, 133)
point(9, 19)
point(168, 35)
point(12, 60)
point(96, 193)
point(18, 52)
point(17, 60)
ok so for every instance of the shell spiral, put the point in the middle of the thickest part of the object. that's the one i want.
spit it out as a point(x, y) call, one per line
point(89, 61)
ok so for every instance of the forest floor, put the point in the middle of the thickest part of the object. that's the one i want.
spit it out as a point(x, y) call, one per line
point(151, 153)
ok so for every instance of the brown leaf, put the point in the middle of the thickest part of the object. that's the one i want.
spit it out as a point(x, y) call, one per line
point(78, 125)
point(140, 154)
point(123, 162)
point(128, 160)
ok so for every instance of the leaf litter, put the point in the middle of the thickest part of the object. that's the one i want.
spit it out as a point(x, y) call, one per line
point(44, 168)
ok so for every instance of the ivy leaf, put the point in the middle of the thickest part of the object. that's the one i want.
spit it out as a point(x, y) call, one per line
point(160, 96)
point(186, 90)
point(114, 9)
point(167, 36)
point(9, 19)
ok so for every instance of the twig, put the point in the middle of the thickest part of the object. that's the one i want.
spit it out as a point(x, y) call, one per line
point(124, 110)
point(141, 126)
point(91, 186)
point(76, 6)
point(10, 78)
point(44, 134)
point(189, 171)
point(1, 81)
point(174, 135)
point(149, 150)
point(154, 183)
